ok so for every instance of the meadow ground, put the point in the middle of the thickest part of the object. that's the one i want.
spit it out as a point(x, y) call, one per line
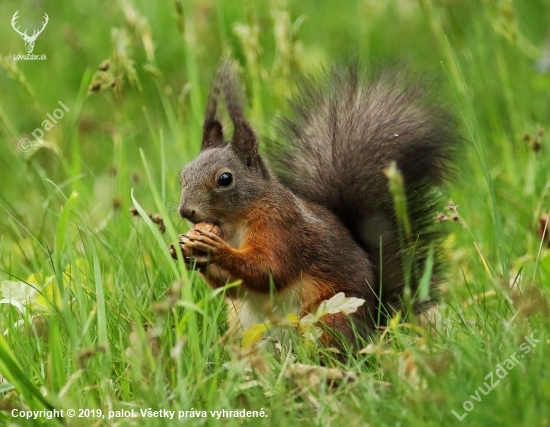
point(96, 317)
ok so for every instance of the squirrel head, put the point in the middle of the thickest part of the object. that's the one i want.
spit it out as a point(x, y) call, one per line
point(227, 177)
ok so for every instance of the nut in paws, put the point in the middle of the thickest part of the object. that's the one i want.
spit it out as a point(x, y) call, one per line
point(200, 245)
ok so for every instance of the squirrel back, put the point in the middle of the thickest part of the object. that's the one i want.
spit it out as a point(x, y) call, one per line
point(344, 130)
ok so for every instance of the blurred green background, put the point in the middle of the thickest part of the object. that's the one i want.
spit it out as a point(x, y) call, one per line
point(135, 76)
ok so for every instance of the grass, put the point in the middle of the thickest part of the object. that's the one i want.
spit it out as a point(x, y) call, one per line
point(107, 321)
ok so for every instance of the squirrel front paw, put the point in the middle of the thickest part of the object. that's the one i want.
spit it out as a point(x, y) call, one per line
point(205, 244)
point(192, 260)
point(202, 245)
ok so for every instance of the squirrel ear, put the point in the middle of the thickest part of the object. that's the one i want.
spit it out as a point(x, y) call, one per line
point(245, 142)
point(212, 135)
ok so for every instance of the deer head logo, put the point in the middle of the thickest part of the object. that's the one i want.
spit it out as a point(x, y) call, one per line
point(29, 40)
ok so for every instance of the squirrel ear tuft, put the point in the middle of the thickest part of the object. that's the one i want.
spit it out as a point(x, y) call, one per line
point(245, 142)
point(212, 135)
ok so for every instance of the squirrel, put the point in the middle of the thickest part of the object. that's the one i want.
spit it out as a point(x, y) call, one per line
point(317, 217)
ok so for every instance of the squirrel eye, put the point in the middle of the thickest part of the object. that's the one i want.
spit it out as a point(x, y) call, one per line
point(225, 179)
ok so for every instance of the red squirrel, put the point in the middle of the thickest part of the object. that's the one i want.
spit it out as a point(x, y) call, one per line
point(321, 219)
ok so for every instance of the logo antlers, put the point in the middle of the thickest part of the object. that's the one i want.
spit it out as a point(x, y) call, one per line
point(29, 40)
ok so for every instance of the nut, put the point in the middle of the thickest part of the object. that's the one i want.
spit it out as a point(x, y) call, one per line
point(205, 226)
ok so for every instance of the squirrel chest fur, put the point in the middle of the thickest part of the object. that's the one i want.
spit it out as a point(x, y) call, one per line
point(322, 220)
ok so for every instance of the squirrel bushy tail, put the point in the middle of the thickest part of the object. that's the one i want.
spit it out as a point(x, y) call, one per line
point(343, 131)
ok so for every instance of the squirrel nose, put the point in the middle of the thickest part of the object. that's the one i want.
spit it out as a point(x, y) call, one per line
point(186, 212)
